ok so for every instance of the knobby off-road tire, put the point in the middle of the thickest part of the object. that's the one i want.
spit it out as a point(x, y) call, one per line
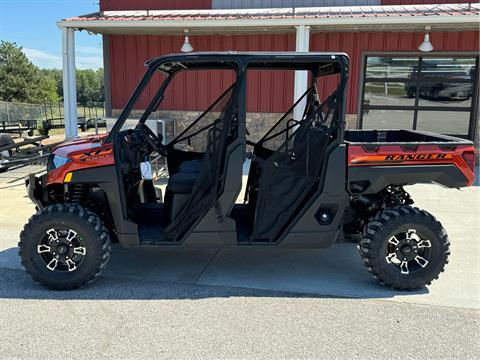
point(404, 233)
point(64, 246)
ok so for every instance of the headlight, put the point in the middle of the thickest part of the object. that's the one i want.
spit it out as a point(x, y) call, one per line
point(55, 161)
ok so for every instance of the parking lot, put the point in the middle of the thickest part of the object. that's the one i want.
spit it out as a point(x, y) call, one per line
point(445, 122)
point(245, 303)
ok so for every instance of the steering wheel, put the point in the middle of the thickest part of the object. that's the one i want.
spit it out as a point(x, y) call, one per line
point(154, 140)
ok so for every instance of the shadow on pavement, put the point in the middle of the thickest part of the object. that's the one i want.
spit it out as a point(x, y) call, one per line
point(155, 274)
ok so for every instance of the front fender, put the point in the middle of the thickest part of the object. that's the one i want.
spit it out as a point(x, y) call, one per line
point(36, 192)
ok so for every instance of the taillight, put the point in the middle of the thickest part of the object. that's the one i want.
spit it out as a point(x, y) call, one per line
point(469, 157)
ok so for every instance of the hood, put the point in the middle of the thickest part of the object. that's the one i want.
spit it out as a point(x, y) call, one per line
point(85, 153)
point(76, 146)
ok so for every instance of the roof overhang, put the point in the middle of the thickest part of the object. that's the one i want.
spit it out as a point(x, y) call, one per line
point(450, 17)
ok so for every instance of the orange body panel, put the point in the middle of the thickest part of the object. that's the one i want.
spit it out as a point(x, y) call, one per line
point(84, 153)
point(394, 155)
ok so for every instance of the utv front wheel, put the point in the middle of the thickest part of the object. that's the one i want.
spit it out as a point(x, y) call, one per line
point(64, 246)
point(404, 248)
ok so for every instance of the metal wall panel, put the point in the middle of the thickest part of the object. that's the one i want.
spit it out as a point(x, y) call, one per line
point(254, 4)
point(421, 2)
point(245, 4)
point(114, 5)
point(266, 92)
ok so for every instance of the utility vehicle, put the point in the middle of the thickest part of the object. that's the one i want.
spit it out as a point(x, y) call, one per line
point(310, 184)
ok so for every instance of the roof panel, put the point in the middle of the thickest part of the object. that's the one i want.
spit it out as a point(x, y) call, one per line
point(450, 17)
point(307, 12)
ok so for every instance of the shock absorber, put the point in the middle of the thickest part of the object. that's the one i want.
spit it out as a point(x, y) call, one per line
point(78, 193)
point(396, 195)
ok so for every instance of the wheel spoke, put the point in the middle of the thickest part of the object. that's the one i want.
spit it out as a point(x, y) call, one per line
point(393, 240)
point(52, 265)
point(421, 261)
point(390, 257)
point(424, 244)
point(412, 235)
point(71, 235)
point(43, 249)
point(404, 268)
point(52, 235)
point(71, 265)
point(81, 250)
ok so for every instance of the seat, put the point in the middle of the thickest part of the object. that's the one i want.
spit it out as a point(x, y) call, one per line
point(192, 166)
point(182, 182)
point(179, 188)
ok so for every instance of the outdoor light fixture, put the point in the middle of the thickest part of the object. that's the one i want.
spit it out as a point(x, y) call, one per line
point(426, 45)
point(186, 47)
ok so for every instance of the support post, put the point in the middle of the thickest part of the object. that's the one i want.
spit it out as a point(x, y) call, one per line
point(107, 108)
point(69, 83)
point(301, 77)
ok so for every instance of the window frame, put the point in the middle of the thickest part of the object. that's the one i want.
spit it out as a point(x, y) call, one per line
point(416, 107)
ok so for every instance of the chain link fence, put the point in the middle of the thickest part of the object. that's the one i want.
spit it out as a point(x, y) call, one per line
point(23, 116)
point(17, 112)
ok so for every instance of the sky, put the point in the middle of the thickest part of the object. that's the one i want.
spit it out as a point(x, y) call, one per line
point(32, 25)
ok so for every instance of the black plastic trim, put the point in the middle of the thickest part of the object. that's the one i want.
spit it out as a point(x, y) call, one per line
point(379, 177)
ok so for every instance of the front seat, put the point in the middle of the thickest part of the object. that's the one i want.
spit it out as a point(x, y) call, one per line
point(180, 186)
point(191, 166)
point(182, 182)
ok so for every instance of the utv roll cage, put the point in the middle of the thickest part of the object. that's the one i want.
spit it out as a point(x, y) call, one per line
point(210, 183)
point(215, 180)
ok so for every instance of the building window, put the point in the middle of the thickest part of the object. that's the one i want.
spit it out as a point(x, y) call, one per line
point(430, 93)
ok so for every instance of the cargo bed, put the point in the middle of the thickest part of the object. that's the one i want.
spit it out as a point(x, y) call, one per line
point(383, 137)
point(378, 158)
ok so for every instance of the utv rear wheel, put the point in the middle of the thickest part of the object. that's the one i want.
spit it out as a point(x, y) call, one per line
point(64, 246)
point(404, 247)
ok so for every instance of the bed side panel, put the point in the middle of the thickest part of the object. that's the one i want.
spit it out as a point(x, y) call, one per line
point(372, 168)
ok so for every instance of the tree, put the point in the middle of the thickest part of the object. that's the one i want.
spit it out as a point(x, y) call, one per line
point(20, 80)
point(57, 76)
point(90, 86)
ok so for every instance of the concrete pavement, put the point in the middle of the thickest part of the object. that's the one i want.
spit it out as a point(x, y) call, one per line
point(184, 321)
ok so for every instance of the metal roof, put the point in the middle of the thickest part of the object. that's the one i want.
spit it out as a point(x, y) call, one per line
point(357, 16)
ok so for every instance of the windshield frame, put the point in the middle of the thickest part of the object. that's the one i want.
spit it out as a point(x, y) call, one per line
point(137, 93)
point(170, 68)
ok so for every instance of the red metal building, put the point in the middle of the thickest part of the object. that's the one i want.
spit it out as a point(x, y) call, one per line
point(381, 37)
